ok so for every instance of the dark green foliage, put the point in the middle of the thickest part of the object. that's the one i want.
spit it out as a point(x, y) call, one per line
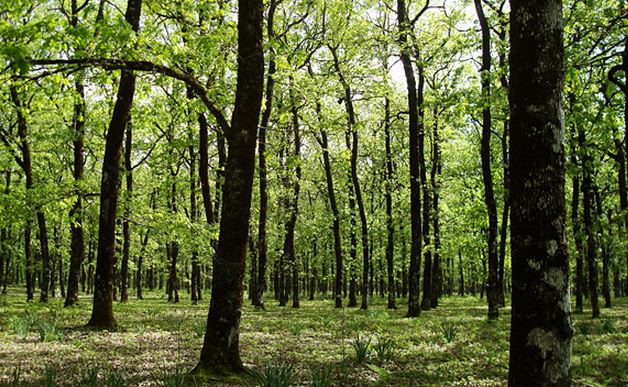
point(273, 375)
point(449, 330)
point(384, 348)
point(362, 347)
point(322, 376)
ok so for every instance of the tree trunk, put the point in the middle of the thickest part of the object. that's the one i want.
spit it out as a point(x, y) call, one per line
point(390, 227)
point(102, 312)
point(492, 292)
point(415, 195)
point(126, 225)
point(461, 279)
point(437, 273)
point(173, 251)
point(335, 215)
point(220, 352)
point(587, 203)
point(540, 333)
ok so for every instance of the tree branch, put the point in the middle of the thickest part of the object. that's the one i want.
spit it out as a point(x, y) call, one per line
point(146, 66)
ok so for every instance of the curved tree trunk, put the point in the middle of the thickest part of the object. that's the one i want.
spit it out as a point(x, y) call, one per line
point(102, 312)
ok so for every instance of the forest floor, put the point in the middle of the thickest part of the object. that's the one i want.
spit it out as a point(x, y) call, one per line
point(158, 342)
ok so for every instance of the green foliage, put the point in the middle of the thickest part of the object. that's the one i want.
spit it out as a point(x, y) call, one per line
point(449, 330)
point(178, 378)
point(50, 376)
point(384, 348)
point(362, 347)
point(322, 376)
point(273, 375)
point(115, 378)
point(608, 325)
point(88, 375)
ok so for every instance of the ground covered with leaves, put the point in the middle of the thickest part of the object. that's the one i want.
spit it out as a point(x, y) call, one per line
point(157, 343)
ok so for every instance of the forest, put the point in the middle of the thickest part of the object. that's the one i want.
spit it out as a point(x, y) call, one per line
point(311, 192)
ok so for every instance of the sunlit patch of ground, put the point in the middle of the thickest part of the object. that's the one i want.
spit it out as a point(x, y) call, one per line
point(454, 345)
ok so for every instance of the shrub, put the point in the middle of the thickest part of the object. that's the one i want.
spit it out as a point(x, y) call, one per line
point(385, 348)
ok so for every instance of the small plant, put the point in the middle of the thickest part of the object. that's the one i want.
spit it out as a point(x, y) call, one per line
point(295, 328)
point(19, 326)
point(449, 330)
point(48, 331)
point(178, 378)
point(50, 376)
point(362, 348)
point(200, 327)
point(88, 376)
point(608, 325)
point(385, 348)
point(16, 375)
point(321, 376)
point(585, 329)
point(115, 378)
point(274, 375)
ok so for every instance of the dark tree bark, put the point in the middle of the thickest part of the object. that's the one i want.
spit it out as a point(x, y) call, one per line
point(126, 225)
point(102, 312)
point(390, 227)
point(195, 274)
point(262, 248)
point(140, 264)
point(461, 275)
point(577, 233)
point(353, 131)
point(288, 248)
point(26, 165)
point(492, 292)
point(335, 214)
point(5, 237)
point(540, 333)
point(587, 204)
point(415, 194)
point(220, 352)
point(173, 250)
point(437, 273)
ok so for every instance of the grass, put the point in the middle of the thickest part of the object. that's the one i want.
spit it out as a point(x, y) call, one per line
point(157, 342)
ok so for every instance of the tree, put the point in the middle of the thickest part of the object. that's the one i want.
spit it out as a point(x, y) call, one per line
point(540, 333)
point(487, 177)
point(102, 312)
point(221, 352)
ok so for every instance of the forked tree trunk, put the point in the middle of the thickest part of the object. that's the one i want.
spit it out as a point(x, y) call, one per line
point(540, 333)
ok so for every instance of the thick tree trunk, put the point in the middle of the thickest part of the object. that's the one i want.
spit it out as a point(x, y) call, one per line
point(540, 333)
point(415, 194)
point(220, 352)
point(492, 293)
point(102, 312)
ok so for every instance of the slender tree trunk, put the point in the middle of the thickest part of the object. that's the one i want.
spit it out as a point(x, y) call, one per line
point(262, 248)
point(587, 203)
point(390, 227)
point(173, 251)
point(540, 333)
point(348, 95)
point(126, 225)
point(102, 312)
point(577, 232)
point(220, 352)
point(461, 279)
point(437, 273)
point(415, 194)
point(492, 293)
point(335, 214)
